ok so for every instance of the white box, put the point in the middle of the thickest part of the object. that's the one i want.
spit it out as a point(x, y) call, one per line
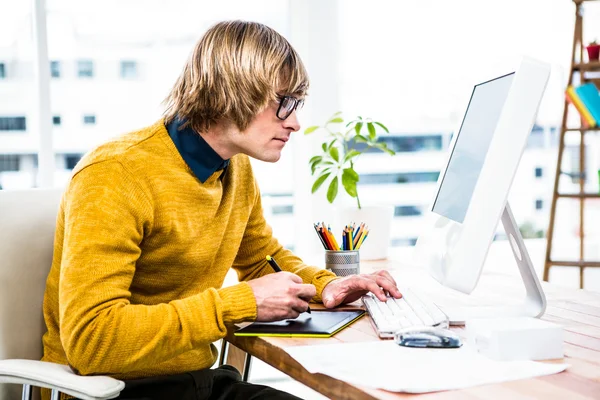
point(518, 338)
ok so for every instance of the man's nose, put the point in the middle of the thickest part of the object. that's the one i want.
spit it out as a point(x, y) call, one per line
point(292, 122)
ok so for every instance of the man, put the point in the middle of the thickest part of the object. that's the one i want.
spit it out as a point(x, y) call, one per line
point(152, 221)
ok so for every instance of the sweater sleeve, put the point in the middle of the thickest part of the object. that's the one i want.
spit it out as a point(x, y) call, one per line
point(107, 216)
point(258, 242)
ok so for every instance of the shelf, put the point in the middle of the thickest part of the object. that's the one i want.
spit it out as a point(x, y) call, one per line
point(575, 263)
point(597, 129)
point(588, 66)
point(579, 195)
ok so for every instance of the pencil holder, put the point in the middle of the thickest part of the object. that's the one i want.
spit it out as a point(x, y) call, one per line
point(342, 262)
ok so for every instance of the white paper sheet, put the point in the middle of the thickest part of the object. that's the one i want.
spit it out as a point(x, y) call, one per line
point(385, 365)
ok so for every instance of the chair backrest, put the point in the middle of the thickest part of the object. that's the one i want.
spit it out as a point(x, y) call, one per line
point(27, 225)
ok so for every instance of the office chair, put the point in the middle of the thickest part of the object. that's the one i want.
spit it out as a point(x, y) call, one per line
point(27, 224)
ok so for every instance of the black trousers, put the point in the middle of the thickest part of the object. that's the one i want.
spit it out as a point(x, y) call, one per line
point(223, 383)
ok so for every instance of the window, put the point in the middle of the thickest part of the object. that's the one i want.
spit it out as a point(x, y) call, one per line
point(128, 69)
point(71, 160)
point(2, 71)
point(408, 143)
point(404, 177)
point(283, 209)
point(406, 211)
point(539, 172)
point(89, 119)
point(539, 204)
point(9, 162)
point(85, 68)
point(397, 242)
point(12, 124)
point(574, 173)
point(56, 120)
point(55, 69)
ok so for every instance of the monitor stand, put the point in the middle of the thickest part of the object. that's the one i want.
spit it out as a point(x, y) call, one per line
point(534, 303)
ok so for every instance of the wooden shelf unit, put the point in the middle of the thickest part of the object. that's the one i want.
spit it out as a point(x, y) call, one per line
point(579, 73)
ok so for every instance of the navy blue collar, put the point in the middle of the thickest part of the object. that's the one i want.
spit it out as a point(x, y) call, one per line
point(198, 155)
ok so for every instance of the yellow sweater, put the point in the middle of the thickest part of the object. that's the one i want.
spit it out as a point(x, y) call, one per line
point(141, 250)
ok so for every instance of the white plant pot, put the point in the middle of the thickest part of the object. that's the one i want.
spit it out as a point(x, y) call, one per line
point(379, 221)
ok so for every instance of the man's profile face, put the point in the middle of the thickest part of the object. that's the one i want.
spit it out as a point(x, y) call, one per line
point(267, 135)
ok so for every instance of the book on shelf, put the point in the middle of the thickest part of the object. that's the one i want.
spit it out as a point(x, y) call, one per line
point(586, 117)
point(589, 96)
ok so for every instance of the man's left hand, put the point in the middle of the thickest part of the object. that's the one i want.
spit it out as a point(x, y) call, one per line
point(353, 287)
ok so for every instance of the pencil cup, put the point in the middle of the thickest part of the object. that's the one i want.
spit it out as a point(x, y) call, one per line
point(342, 262)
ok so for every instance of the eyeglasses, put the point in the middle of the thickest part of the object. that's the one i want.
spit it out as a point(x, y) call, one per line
point(287, 105)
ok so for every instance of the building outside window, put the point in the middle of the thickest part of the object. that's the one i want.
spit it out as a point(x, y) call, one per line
point(56, 120)
point(128, 69)
point(89, 119)
point(9, 162)
point(85, 68)
point(55, 69)
point(539, 172)
point(13, 124)
point(2, 71)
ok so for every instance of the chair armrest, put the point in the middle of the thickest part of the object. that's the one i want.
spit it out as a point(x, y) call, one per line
point(59, 377)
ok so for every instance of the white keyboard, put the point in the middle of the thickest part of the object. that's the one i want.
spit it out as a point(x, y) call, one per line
point(410, 310)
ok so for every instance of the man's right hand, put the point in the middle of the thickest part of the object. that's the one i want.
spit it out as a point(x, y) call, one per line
point(280, 296)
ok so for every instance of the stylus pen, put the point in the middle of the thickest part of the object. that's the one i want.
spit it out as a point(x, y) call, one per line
point(276, 268)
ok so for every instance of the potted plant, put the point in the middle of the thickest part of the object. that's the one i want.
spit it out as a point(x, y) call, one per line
point(343, 144)
point(593, 50)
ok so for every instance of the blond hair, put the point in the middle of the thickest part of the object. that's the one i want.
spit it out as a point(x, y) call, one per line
point(236, 68)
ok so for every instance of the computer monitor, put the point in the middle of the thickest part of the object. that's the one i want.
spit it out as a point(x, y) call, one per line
point(473, 188)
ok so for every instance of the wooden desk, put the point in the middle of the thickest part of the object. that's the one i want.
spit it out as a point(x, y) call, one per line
point(577, 310)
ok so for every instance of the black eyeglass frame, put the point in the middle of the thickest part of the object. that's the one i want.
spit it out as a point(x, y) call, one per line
point(298, 103)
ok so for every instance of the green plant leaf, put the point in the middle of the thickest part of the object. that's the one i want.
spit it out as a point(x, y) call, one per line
point(311, 129)
point(333, 189)
point(360, 138)
point(330, 144)
point(351, 154)
point(336, 120)
point(313, 167)
point(383, 126)
point(315, 158)
point(324, 147)
point(372, 134)
point(351, 174)
point(335, 154)
point(384, 147)
point(358, 127)
point(319, 182)
point(325, 171)
point(337, 113)
point(349, 180)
